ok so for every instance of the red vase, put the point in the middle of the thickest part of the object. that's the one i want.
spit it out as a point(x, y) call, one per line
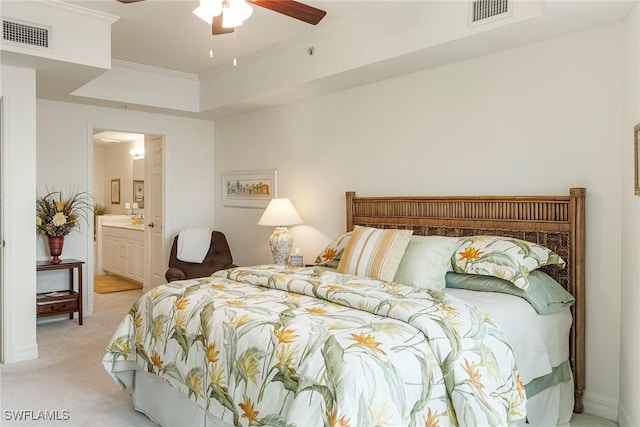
point(55, 248)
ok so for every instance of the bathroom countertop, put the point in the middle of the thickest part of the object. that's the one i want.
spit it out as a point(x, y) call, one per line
point(125, 225)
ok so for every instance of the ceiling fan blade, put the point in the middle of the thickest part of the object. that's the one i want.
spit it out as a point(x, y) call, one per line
point(294, 9)
point(129, 1)
point(217, 28)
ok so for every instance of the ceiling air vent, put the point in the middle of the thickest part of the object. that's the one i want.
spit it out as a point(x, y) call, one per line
point(26, 35)
point(484, 11)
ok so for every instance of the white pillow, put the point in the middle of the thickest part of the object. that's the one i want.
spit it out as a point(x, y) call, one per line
point(426, 261)
point(374, 252)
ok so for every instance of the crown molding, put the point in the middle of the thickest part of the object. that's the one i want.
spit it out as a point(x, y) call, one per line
point(75, 10)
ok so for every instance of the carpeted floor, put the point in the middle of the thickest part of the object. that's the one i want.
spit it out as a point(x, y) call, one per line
point(107, 284)
point(69, 377)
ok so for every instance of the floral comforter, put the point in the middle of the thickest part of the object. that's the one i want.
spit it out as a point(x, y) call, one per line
point(278, 346)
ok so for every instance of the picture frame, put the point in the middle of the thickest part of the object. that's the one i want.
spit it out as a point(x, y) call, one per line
point(249, 189)
point(636, 156)
point(115, 191)
point(138, 193)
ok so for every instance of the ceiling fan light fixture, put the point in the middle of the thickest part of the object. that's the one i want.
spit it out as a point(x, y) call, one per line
point(235, 12)
point(208, 9)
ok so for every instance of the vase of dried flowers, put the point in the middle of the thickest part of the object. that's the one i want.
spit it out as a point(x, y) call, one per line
point(56, 216)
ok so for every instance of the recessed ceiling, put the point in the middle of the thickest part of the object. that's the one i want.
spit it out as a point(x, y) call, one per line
point(166, 34)
point(357, 42)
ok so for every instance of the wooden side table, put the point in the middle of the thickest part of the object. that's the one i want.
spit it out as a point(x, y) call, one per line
point(54, 303)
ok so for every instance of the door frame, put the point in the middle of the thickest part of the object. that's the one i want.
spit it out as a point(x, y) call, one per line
point(91, 253)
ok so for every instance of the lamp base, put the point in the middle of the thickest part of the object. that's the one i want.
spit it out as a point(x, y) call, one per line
point(280, 243)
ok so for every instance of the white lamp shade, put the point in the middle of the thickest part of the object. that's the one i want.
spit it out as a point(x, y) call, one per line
point(280, 213)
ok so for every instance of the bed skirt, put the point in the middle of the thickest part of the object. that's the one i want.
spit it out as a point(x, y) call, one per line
point(166, 407)
point(553, 406)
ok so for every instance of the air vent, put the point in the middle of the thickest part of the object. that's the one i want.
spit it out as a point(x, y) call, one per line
point(26, 35)
point(483, 11)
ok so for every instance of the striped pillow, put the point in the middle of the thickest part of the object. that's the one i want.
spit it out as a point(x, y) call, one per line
point(374, 252)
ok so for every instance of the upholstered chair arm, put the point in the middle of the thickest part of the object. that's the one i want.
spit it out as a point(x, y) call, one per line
point(174, 273)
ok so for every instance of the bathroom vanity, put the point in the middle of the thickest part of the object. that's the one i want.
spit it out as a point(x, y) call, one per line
point(122, 251)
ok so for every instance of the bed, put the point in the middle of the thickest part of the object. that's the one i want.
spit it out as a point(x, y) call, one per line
point(313, 346)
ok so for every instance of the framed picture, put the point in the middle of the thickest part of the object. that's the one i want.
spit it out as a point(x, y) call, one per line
point(138, 193)
point(636, 154)
point(249, 189)
point(115, 191)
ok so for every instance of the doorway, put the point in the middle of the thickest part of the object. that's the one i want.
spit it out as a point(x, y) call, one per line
point(128, 187)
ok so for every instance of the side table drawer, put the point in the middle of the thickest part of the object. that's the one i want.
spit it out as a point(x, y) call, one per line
point(56, 303)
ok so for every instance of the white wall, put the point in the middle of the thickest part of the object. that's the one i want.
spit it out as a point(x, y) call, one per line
point(629, 410)
point(118, 164)
point(18, 90)
point(65, 150)
point(537, 119)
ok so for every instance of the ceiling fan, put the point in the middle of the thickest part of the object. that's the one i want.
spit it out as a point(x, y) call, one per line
point(291, 8)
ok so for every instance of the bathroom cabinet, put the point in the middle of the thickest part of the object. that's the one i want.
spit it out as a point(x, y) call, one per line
point(123, 251)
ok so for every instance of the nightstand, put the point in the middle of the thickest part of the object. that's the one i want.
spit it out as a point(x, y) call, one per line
point(64, 301)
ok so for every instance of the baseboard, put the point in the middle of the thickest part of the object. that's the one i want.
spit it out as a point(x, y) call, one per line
point(600, 406)
point(624, 420)
point(22, 354)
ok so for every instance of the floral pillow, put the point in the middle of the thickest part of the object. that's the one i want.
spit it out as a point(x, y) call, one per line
point(503, 257)
point(331, 255)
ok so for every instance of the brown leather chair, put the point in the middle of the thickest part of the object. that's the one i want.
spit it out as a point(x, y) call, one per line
point(218, 258)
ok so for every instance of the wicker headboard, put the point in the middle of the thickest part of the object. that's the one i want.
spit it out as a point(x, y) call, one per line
point(557, 222)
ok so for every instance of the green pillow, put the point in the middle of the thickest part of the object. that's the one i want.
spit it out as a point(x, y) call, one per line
point(543, 293)
point(425, 262)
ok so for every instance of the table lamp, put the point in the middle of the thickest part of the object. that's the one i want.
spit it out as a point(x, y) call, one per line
point(279, 214)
